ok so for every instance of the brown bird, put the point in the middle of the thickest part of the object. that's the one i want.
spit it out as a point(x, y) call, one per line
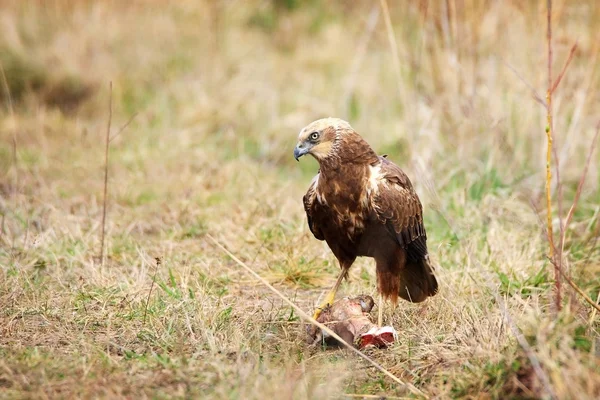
point(362, 204)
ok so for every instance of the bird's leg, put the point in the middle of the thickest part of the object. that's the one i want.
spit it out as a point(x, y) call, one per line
point(331, 295)
point(380, 316)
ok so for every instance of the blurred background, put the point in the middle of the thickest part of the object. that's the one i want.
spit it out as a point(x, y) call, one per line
point(218, 91)
point(453, 79)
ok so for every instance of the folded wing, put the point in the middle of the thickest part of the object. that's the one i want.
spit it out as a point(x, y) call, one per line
point(398, 207)
point(310, 203)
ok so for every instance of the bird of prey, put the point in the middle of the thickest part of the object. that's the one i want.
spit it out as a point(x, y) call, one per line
point(363, 204)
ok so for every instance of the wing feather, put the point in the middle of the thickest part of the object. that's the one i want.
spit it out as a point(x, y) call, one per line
point(398, 207)
point(310, 203)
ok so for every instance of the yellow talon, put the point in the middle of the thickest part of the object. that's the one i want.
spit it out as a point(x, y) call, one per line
point(331, 295)
point(317, 313)
point(328, 301)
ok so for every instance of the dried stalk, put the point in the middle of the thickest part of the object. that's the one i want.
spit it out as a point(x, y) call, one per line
point(557, 276)
point(109, 139)
point(559, 187)
point(534, 93)
point(579, 187)
point(562, 73)
point(308, 318)
point(158, 262)
point(125, 125)
point(102, 258)
point(574, 285)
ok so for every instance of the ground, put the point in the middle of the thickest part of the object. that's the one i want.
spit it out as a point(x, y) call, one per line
point(218, 92)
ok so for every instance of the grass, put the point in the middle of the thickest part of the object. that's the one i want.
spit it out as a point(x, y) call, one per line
point(221, 91)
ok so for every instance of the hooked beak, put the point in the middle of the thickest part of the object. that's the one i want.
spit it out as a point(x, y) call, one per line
point(300, 150)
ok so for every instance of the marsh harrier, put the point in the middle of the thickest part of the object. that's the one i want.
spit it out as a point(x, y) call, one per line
point(363, 204)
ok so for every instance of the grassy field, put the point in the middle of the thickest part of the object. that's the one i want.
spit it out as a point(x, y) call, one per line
point(220, 91)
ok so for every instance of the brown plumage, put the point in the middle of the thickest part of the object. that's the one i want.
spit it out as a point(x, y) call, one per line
point(362, 204)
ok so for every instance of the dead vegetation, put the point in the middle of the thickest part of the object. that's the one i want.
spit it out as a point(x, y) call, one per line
point(221, 90)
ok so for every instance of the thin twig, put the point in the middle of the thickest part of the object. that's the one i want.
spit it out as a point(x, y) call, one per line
point(559, 268)
point(559, 188)
point(549, 41)
point(105, 176)
point(593, 314)
point(557, 275)
point(125, 125)
point(580, 186)
point(562, 73)
point(537, 98)
point(158, 262)
point(319, 325)
point(534, 94)
point(109, 139)
point(574, 285)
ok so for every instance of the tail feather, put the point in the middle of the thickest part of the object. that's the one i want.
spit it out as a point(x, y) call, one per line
point(417, 281)
point(413, 281)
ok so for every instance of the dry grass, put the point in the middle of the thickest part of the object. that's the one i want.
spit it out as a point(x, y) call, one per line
point(222, 89)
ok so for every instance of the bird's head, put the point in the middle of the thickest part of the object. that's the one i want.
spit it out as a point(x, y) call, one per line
point(319, 138)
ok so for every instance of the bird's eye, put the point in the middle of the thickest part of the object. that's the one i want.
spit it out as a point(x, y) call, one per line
point(314, 136)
